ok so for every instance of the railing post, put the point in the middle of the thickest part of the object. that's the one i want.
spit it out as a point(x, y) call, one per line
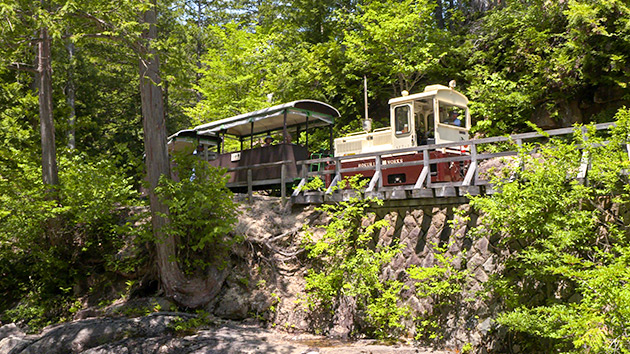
point(303, 179)
point(299, 187)
point(379, 162)
point(585, 164)
point(337, 177)
point(521, 162)
point(469, 179)
point(283, 186)
point(426, 157)
point(377, 178)
point(250, 188)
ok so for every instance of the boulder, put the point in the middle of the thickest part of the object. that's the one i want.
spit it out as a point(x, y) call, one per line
point(79, 336)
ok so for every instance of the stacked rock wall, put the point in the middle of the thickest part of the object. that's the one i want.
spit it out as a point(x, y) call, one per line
point(465, 318)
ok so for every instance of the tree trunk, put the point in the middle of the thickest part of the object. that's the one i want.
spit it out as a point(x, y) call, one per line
point(439, 14)
point(70, 97)
point(199, 51)
point(190, 293)
point(47, 124)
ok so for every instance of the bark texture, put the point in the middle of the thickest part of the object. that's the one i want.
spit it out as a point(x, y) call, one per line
point(47, 124)
point(187, 292)
point(70, 97)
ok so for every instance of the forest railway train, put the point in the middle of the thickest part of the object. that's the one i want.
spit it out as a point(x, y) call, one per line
point(437, 115)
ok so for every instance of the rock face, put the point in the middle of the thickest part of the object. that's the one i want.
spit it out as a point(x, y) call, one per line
point(84, 335)
point(151, 335)
point(278, 266)
point(563, 114)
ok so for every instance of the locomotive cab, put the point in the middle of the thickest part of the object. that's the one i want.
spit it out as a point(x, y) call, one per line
point(437, 115)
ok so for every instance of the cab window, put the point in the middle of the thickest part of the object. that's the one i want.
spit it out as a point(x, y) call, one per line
point(401, 119)
point(424, 120)
point(452, 115)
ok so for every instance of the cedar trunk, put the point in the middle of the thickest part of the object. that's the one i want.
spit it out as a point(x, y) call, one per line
point(46, 121)
point(70, 97)
point(191, 293)
point(439, 14)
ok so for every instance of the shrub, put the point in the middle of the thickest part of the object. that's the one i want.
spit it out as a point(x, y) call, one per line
point(442, 282)
point(346, 262)
point(49, 242)
point(202, 212)
point(567, 279)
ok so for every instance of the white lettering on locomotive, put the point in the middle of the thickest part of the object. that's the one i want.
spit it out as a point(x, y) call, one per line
point(385, 162)
point(366, 164)
point(389, 162)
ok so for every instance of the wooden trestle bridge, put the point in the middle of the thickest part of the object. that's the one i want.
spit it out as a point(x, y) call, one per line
point(423, 191)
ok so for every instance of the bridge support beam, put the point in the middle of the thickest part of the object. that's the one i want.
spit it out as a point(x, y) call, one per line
point(333, 184)
point(373, 182)
point(585, 165)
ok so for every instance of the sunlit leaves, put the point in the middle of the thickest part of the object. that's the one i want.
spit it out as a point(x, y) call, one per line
point(202, 213)
point(398, 40)
point(87, 220)
point(567, 243)
point(347, 264)
point(532, 56)
point(233, 74)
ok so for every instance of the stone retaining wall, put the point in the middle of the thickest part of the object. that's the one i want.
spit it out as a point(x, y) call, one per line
point(466, 318)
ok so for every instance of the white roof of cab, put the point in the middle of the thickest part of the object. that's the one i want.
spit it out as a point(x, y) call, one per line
point(272, 118)
point(442, 92)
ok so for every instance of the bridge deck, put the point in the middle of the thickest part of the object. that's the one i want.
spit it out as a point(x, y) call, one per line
point(473, 182)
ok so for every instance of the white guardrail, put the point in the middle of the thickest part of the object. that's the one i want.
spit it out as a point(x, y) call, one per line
point(472, 156)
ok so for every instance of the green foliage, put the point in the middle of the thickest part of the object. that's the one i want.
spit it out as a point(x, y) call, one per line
point(202, 212)
point(232, 71)
point(107, 104)
point(444, 283)
point(191, 325)
point(513, 67)
point(532, 57)
point(315, 184)
point(47, 246)
point(348, 263)
point(397, 39)
point(515, 61)
point(442, 280)
point(36, 315)
point(384, 313)
point(597, 40)
point(92, 189)
point(566, 276)
point(467, 348)
point(137, 310)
